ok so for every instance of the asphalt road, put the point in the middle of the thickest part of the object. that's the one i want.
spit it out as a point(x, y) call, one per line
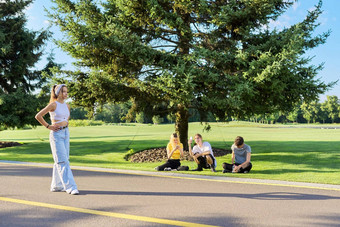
point(131, 198)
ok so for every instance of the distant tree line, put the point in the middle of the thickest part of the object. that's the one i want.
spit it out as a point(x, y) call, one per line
point(313, 112)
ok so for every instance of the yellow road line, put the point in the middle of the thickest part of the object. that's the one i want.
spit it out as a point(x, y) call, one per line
point(104, 213)
point(189, 178)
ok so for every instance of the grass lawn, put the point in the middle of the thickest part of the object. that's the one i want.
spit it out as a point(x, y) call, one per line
point(290, 153)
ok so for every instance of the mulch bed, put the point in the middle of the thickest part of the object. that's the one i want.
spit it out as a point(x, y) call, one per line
point(9, 144)
point(159, 155)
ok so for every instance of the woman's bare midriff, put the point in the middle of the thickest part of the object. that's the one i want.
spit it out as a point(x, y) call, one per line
point(60, 124)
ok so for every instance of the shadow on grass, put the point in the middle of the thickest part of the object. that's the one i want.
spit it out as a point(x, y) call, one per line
point(46, 137)
point(117, 147)
point(85, 152)
point(28, 148)
point(93, 137)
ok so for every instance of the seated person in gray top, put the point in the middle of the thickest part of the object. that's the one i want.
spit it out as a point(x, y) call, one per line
point(240, 159)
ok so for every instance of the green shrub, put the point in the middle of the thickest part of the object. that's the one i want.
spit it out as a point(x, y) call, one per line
point(121, 124)
point(25, 127)
point(79, 123)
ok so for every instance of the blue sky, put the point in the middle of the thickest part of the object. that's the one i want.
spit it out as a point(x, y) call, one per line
point(329, 53)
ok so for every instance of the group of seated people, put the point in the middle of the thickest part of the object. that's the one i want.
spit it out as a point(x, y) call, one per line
point(203, 155)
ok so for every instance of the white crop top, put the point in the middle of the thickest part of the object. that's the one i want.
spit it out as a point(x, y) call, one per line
point(61, 113)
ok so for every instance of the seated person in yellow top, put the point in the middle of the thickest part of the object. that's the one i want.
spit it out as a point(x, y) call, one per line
point(175, 152)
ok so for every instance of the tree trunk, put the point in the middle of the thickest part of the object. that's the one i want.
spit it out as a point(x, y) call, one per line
point(182, 121)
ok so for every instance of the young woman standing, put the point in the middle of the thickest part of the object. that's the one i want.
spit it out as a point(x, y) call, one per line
point(62, 177)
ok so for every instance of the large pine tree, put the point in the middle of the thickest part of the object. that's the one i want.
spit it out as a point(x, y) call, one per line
point(20, 50)
point(216, 56)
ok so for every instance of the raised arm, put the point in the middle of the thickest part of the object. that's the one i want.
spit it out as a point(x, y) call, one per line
point(181, 151)
point(189, 146)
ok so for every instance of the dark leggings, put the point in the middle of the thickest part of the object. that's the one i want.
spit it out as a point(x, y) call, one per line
point(172, 163)
point(229, 167)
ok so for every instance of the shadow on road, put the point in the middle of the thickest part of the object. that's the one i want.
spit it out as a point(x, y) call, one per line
point(259, 196)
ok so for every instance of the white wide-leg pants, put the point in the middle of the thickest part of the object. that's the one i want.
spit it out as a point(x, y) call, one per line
point(62, 177)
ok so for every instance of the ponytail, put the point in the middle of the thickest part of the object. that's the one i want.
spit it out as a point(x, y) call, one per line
point(53, 95)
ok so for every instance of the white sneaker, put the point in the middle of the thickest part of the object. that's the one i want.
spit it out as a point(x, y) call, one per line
point(74, 192)
point(57, 190)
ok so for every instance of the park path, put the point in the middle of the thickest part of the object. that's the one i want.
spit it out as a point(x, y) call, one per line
point(136, 198)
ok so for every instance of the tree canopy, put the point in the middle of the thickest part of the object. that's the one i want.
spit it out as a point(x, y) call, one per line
point(169, 56)
point(20, 50)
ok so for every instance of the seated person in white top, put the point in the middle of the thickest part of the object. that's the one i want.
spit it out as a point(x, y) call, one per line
point(240, 159)
point(202, 154)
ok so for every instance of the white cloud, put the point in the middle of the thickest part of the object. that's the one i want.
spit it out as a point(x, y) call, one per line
point(295, 5)
point(311, 9)
point(281, 23)
point(323, 20)
point(28, 8)
point(32, 18)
